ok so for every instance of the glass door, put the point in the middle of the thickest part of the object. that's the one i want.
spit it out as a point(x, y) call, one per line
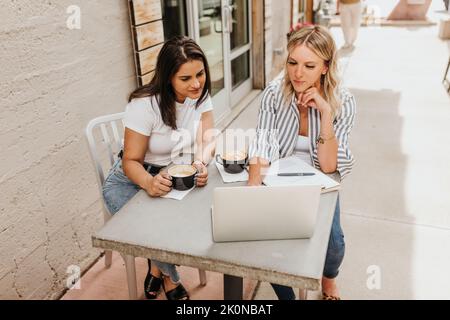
point(222, 29)
point(238, 32)
point(205, 24)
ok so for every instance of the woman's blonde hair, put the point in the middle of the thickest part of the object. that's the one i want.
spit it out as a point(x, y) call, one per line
point(320, 41)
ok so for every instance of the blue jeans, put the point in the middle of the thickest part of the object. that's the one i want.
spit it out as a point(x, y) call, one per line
point(117, 190)
point(333, 260)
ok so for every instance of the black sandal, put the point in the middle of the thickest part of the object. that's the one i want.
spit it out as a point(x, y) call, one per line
point(179, 293)
point(152, 284)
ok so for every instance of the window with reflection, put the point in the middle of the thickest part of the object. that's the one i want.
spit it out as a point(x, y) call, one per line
point(174, 18)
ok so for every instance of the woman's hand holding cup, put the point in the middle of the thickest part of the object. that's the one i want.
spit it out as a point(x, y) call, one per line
point(202, 175)
point(159, 185)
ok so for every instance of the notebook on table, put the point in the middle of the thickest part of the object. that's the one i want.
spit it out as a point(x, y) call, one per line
point(294, 164)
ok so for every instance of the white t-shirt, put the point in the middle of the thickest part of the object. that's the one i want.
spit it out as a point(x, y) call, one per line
point(143, 116)
point(302, 149)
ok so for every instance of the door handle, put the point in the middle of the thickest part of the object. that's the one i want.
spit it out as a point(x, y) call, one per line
point(227, 10)
point(230, 20)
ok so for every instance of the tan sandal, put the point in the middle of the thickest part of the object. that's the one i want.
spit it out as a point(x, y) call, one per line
point(329, 297)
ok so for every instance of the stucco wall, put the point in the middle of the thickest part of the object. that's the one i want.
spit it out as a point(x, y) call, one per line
point(53, 80)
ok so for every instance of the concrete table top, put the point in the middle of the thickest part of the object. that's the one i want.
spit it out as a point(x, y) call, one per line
point(180, 232)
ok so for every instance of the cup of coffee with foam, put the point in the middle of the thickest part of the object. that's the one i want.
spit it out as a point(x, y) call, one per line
point(234, 161)
point(183, 176)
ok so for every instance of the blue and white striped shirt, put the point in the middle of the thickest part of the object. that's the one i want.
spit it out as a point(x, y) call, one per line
point(278, 127)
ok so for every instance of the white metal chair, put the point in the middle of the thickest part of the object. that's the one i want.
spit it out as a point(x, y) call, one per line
point(105, 139)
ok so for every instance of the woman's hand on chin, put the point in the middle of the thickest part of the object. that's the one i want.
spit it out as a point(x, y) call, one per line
point(312, 98)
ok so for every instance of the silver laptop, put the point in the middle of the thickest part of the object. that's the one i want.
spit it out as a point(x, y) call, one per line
point(264, 213)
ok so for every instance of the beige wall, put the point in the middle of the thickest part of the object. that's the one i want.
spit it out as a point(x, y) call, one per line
point(52, 81)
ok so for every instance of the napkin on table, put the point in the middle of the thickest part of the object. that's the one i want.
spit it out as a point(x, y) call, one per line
point(177, 194)
point(232, 177)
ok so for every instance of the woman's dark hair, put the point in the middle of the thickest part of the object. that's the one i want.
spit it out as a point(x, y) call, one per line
point(174, 53)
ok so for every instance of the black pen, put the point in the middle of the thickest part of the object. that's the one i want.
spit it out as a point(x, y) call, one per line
point(299, 174)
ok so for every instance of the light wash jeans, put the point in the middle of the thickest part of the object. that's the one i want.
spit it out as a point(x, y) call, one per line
point(333, 260)
point(117, 190)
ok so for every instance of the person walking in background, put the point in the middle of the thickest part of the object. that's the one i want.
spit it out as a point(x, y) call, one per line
point(350, 12)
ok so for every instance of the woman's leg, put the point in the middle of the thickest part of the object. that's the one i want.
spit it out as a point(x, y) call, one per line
point(335, 254)
point(169, 270)
point(356, 21)
point(336, 246)
point(334, 258)
point(346, 19)
point(117, 188)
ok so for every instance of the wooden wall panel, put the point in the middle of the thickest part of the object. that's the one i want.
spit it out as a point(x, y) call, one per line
point(309, 13)
point(146, 78)
point(147, 59)
point(144, 11)
point(149, 35)
point(258, 44)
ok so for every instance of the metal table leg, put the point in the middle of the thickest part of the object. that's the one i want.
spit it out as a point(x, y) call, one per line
point(131, 276)
point(302, 294)
point(232, 287)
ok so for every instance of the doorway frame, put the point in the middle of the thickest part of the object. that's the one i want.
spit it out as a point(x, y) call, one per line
point(255, 48)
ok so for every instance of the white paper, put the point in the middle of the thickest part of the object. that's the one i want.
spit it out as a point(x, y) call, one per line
point(177, 194)
point(295, 164)
point(231, 177)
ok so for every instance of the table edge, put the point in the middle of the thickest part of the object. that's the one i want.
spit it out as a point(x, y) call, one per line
point(214, 265)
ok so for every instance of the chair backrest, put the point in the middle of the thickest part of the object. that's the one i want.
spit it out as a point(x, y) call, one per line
point(105, 139)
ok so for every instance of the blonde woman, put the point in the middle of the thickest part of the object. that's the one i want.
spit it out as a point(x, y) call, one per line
point(306, 113)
